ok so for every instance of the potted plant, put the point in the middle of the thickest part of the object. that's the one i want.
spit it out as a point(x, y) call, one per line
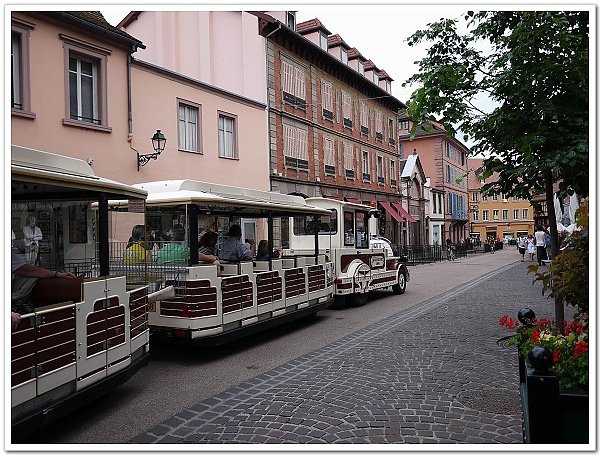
point(543, 344)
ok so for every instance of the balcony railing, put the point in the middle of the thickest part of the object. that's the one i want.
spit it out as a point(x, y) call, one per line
point(347, 123)
point(327, 114)
point(366, 177)
point(381, 180)
point(364, 130)
point(349, 174)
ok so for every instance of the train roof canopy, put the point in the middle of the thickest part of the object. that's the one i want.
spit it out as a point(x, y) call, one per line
point(41, 175)
point(336, 203)
point(224, 198)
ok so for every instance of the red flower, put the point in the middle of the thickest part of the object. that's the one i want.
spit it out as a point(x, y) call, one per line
point(556, 355)
point(535, 335)
point(581, 348)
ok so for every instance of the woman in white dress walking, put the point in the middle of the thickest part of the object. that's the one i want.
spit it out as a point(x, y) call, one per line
point(531, 247)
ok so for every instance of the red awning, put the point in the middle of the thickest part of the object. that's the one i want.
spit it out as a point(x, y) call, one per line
point(391, 210)
point(407, 216)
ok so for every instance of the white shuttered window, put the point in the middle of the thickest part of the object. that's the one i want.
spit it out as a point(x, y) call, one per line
point(287, 77)
point(364, 115)
point(346, 105)
point(293, 81)
point(327, 96)
point(295, 146)
point(328, 156)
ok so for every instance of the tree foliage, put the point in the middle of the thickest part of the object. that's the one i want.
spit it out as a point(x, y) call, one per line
point(537, 76)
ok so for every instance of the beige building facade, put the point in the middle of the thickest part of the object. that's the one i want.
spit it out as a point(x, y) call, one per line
point(496, 216)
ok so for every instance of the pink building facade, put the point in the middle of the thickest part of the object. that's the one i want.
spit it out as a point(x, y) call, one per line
point(201, 81)
point(70, 91)
point(444, 160)
point(79, 90)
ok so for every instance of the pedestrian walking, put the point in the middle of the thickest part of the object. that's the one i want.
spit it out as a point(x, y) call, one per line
point(530, 247)
point(548, 244)
point(449, 249)
point(540, 244)
point(522, 247)
point(492, 242)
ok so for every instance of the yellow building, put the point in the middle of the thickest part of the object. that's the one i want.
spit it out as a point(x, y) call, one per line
point(496, 216)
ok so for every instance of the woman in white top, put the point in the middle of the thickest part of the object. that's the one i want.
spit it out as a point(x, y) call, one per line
point(530, 247)
point(31, 236)
point(540, 244)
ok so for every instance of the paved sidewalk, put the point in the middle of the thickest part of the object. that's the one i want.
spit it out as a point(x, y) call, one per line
point(432, 373)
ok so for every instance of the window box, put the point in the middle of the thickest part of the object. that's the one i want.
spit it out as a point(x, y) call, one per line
point(364, 130)
point(381, 180)
point(392, 141)
point(329, 170)
point(393, 183)
point(296, 163)
point(379, 136)
point(294, 100)
point(366, 177)
point(328, 115)
point(349, 174)
point(347, 123)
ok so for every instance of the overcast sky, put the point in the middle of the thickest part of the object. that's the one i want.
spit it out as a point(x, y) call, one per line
point(378, 32)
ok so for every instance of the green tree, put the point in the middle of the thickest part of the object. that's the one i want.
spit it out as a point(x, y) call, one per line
point(536, 73)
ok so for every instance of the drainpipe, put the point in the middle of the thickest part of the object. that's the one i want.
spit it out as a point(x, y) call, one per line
point(268, 102)
point(129, 113)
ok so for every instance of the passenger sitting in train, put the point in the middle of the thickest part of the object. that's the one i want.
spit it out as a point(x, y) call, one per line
point(26, 271)
point(174, 251)
point(139, 250)
point(207, 252)
point(234, 249)
point(262, 252)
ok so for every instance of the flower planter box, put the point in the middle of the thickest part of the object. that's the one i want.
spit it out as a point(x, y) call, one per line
point(551, 415)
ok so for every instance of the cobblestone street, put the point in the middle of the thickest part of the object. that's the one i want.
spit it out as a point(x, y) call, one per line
point(430, 374)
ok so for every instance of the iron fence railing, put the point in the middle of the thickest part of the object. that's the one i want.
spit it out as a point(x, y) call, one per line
point(145, 266)
point(424, 254)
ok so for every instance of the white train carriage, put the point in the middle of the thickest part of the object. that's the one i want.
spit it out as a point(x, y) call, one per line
point(214, 304)
point(77, 338)
point(362, 260)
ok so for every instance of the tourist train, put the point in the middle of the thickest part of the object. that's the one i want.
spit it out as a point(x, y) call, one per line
point(91, 333)
point(78, 338)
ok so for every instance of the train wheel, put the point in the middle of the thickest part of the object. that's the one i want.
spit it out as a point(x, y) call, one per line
point(339, 301)
point(358, 299)
point(400, 286)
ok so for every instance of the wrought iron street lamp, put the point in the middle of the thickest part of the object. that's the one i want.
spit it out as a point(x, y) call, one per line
point(158, 144)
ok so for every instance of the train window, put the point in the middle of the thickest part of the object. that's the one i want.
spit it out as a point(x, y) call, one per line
point(349, 228)
point(304, 225)
point(361, 230)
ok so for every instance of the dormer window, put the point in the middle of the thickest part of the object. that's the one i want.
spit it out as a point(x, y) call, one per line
point(388, 87)
point(343, 56)
point(290, 19)
point(323, 42)
point(361, 68)
point(404, 124)
point(375, 78)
